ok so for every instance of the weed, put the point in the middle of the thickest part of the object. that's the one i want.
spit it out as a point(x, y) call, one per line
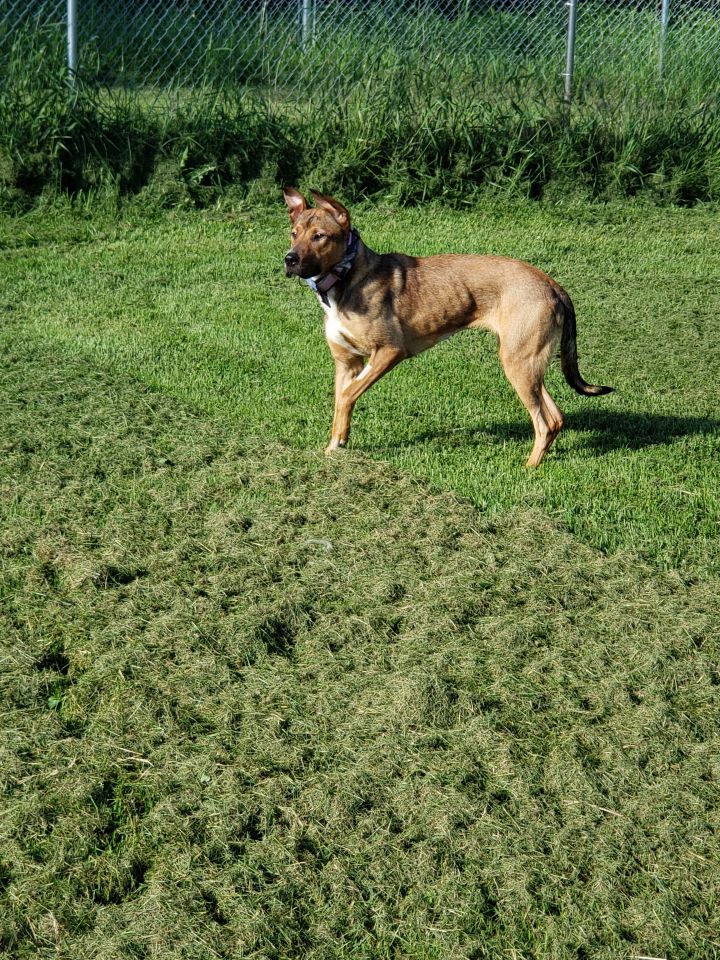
point(401, 119)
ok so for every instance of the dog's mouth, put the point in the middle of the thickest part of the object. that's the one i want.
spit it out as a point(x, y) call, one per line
point(303, 269)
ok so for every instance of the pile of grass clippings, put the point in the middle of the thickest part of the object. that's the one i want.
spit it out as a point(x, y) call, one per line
point(257, 703)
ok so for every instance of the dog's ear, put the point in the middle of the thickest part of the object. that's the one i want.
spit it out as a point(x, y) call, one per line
point(295, 201)
point(334, 207)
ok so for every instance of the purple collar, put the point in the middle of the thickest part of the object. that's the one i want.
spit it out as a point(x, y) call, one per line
point(342, 268)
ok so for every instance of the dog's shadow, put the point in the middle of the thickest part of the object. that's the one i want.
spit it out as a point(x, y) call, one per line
point(603, 431)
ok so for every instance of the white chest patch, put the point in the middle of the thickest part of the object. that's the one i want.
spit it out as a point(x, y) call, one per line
point(334, 331)
point(333, 327)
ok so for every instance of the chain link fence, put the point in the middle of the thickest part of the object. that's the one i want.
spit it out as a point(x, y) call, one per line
point(288, 47)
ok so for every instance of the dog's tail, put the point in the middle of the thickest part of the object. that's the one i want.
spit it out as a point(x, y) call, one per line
point(568, 351)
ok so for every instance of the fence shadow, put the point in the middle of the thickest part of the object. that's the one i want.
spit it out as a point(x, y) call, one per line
point(604, 431)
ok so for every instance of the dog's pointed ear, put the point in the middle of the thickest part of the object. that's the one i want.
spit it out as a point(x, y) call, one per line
point(295, 201)
point(333, 207)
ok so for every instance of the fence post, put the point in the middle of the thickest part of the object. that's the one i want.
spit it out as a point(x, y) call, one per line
point(306, 21)
point(570, 59)
point(72, 44)
point(664, 18)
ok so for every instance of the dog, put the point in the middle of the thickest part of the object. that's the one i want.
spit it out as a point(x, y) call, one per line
point(384, 308)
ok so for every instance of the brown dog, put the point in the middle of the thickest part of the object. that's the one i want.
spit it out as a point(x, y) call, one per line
point(389, 306)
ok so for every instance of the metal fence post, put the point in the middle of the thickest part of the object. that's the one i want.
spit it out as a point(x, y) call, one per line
point(306, 21)
point(664, 18)
point(72, 44)
point(570, 59)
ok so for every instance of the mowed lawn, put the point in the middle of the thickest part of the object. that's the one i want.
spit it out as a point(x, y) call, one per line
point(413, 701)
point(199, 307)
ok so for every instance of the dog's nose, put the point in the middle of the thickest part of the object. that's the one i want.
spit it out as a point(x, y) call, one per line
point(291, 259)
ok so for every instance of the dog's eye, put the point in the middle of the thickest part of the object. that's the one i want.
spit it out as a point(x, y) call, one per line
point(293, 235)
point(318, 236)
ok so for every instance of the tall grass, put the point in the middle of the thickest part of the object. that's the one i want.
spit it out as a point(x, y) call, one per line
point(411, 107)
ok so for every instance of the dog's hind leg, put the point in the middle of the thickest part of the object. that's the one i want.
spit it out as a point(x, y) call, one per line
point(527, 376)
point(554, 416)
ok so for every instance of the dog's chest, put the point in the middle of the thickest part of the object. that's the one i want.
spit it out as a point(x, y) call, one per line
point(334, 330)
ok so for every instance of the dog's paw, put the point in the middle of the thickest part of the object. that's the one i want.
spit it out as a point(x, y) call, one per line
point(334, 446)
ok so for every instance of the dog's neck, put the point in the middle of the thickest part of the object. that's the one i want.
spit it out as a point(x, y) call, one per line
point(326, 281)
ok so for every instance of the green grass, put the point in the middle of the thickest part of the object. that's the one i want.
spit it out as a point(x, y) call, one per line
point(261, 704)
point(409, 702)
point(197, 306)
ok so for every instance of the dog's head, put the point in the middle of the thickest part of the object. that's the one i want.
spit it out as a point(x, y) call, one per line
point(319, 234)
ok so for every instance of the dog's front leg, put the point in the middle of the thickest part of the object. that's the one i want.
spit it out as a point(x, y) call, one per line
point(352, 379)
point(347, 367)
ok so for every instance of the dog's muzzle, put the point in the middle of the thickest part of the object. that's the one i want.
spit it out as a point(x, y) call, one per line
point(292, 262)
point(295, 266)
